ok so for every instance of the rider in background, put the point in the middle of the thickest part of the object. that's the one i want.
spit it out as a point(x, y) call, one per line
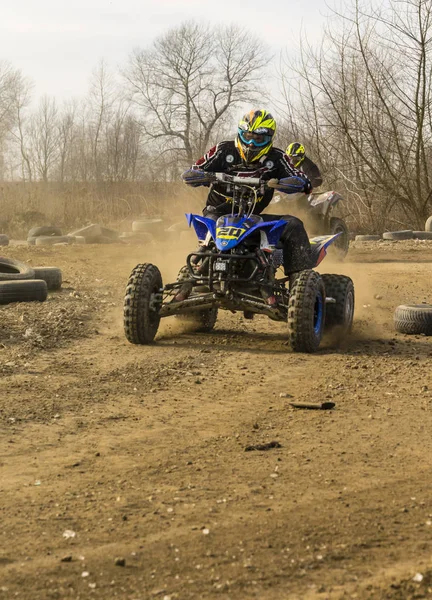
point(252, 154)
point(297, 154)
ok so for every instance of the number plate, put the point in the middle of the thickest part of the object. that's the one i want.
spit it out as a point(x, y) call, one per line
point(220, 265)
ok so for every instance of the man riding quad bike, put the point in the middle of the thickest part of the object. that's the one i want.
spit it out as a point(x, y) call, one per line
point(318, 207)
point(236, 266)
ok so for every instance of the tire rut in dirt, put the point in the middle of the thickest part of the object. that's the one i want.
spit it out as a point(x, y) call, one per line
point(413, 319)
point(141, 319)
point(33, 290)
point(306, 312)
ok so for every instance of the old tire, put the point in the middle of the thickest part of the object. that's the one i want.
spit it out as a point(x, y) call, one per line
point(367, 238)
point(44, 240)
point(306, 312)
point(32, 290)
point(413, 318)
point(4, 240)
point(406, 234)
point(339, 315)
point(428, 225)
point(339, 249)
point(141, 308)
point(422, 235)
point(51, 275)
point(14, 270)
point(45, 230)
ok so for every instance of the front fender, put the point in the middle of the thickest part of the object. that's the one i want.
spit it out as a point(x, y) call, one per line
point(202, 225)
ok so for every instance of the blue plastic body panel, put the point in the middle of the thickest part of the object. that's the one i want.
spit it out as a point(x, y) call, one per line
point(230, 231)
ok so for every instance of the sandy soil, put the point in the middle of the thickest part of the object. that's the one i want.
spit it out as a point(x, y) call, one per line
point(113, 451)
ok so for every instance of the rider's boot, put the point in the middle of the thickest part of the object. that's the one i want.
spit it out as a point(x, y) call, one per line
point(187, 286)
point(183, 293)
point(269, 297)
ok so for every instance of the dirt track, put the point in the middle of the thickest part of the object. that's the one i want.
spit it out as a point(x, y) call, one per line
point(141, 450)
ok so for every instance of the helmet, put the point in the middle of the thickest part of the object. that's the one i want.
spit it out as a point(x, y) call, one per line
point(297, 152)
point(255, 135)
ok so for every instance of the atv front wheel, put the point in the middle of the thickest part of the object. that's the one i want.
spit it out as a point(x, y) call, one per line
point(340, 313)
point(141, 304)
point(339, 249)
point(306, 312)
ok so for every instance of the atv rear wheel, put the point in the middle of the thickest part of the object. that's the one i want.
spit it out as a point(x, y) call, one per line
point(339, 314)
point(141, 304)
point(306, 312)
point(339, 249)
point(202, 321)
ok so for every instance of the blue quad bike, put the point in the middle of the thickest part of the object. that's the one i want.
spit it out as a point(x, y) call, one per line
point(236, 268)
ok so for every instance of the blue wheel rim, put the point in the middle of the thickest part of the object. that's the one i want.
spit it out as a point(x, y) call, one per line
point(318, 313)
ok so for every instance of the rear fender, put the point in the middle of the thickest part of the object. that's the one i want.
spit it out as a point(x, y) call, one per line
point(319, 246)
point(324, 203)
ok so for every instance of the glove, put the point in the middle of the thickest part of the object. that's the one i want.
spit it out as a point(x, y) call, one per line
point(195, 177)
point(293, 185)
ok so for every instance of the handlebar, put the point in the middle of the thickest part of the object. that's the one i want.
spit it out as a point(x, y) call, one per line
point(288, 185)
point(237, 180)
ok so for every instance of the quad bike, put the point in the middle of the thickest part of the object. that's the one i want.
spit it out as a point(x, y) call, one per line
point(319, 207)
point(236, 268)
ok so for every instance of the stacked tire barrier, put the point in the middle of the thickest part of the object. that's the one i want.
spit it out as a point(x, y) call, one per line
point(144, 230)
point(44, 232)
point(395, 236)
point(21, 283)
point(48, 235)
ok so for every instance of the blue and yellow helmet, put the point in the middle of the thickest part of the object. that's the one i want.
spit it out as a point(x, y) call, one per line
point(255, 135)
point(296, 152)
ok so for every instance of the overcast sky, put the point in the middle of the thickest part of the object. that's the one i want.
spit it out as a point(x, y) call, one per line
point(57, 43)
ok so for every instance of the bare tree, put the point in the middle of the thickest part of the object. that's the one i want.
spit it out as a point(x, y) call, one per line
point(20, 98)
point(366, 102)
point(66, 138)
point(44, 137)
point(185, 85)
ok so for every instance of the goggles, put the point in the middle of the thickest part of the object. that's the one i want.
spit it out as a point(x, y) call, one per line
point(252, 138)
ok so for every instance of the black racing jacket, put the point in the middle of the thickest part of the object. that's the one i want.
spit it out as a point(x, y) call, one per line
point(225, 158)
point(311, 171)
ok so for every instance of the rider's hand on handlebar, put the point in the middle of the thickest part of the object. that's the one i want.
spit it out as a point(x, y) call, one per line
point(290, 185)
